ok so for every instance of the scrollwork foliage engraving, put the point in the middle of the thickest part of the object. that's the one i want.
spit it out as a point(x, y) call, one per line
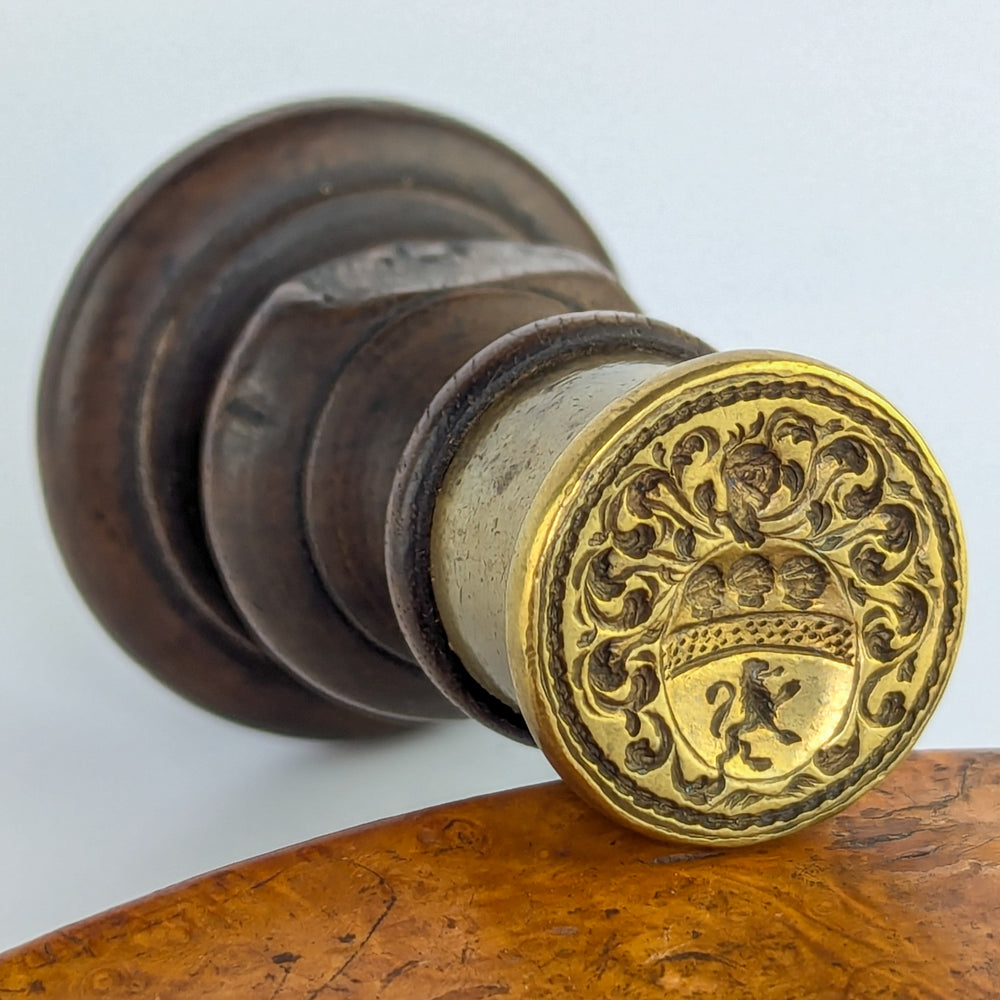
point(806, 505)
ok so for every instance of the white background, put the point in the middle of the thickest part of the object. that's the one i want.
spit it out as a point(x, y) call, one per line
point(815, 177)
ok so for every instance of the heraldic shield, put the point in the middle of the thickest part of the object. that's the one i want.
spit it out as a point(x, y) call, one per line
point(745, 662)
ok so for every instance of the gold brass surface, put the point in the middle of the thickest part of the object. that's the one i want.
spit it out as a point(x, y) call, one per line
point(736, 599)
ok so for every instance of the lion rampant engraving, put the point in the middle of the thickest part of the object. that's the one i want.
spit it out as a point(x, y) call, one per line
point(760, 709)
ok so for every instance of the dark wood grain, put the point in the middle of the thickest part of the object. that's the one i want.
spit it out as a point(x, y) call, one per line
point(531, 894)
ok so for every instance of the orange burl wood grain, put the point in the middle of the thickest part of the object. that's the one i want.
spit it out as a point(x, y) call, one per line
point(531, 894)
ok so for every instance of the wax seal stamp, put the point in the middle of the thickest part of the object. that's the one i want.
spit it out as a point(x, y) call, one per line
point(347, 423)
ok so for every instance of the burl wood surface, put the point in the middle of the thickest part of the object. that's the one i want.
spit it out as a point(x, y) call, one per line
point(531, 894)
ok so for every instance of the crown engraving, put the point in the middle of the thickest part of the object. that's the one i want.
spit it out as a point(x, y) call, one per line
point(822, 635)
point(782, 584)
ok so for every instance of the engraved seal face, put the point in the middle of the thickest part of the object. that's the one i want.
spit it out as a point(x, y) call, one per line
point(737, 605)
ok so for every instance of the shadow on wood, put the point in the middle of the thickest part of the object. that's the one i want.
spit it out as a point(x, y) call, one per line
point(531, 894)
